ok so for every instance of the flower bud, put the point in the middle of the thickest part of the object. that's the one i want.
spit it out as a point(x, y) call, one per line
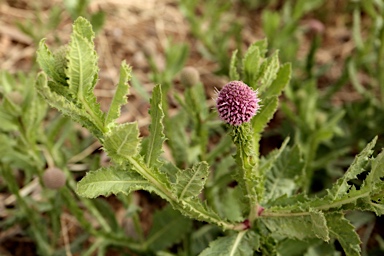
point(54, 178)
point(189, 76)
point(237, 103)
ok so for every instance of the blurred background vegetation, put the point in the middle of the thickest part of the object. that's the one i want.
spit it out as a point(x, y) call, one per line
point(331, 109)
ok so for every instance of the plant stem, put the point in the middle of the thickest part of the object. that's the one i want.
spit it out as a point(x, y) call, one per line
point(181, 205)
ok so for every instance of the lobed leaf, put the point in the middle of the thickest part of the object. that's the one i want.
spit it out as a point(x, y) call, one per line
point(153, 146)
point(342, 230)
point(122, 141)
point(82, 70)
point(68, 108)
point(239, 244)
point(111, 180)
point(120, 96)
point(169, 227)
point(300, 226)
point(190, 182)
point(285, 175)
point(268, 72)
point(46, 62)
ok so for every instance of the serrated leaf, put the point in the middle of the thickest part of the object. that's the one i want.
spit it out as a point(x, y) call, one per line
point(120, 96)
point(154, 144)
point(83, 27)
point(169, 227)
point(286, 174)
point(82, 60)
point(341, 187)
point(252, 61)
point(377, 171)
point(190, 182)
point(282, 79)
point(111, 180)
point(251, 64)
point(239, 244)
point(82, 70)
point(267, 110)
point(342, 230)
point(47, 63)
point(268, 72)
point(194, 208)
point(66, 107)
point(122, 141)
point(298, 226)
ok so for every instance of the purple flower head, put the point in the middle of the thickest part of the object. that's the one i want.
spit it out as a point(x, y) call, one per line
point(237, 103)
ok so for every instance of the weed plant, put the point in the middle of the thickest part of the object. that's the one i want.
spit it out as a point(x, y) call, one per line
point(267, 210)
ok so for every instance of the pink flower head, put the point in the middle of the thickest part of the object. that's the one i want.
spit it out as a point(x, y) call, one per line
point(237, 103)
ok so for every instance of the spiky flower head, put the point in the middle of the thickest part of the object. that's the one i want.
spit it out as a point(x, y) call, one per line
point(237, 103)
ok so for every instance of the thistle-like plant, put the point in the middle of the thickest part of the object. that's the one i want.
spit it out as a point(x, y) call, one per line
point(266, 208)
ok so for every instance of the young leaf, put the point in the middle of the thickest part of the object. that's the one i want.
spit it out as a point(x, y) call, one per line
point(243, 243)
point(341, 229)
point(82, 60)
point(47, 63)
point(111, 180)
point(154, 143)
point(169, 227)
point(66, 107)
point(267, 110)
point(282, 78)
point(268, 72)
point(82, 70)
point(190, 182)
point(122, 141)
point(120, 96)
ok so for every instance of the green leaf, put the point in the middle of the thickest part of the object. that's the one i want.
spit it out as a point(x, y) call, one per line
point(282, 79)
point(376, 173)
point(66, 107)
point(122, 141)
point(120, 96)
point(298, 226)
point(267, 110)
point(251, 64)
point(239, 244)
point(268, 72)
point(341, 188)
point(46, 62)
point(195, 209)
point(82, 70)
point(190, 182)
point(169, 227)
point(153, 146)
point(342, 230)
point(252, 60)
point(111, 180)
point(286, 174)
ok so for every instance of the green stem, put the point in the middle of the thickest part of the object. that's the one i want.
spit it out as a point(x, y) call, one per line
point(288, 212)
point(167, 194)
